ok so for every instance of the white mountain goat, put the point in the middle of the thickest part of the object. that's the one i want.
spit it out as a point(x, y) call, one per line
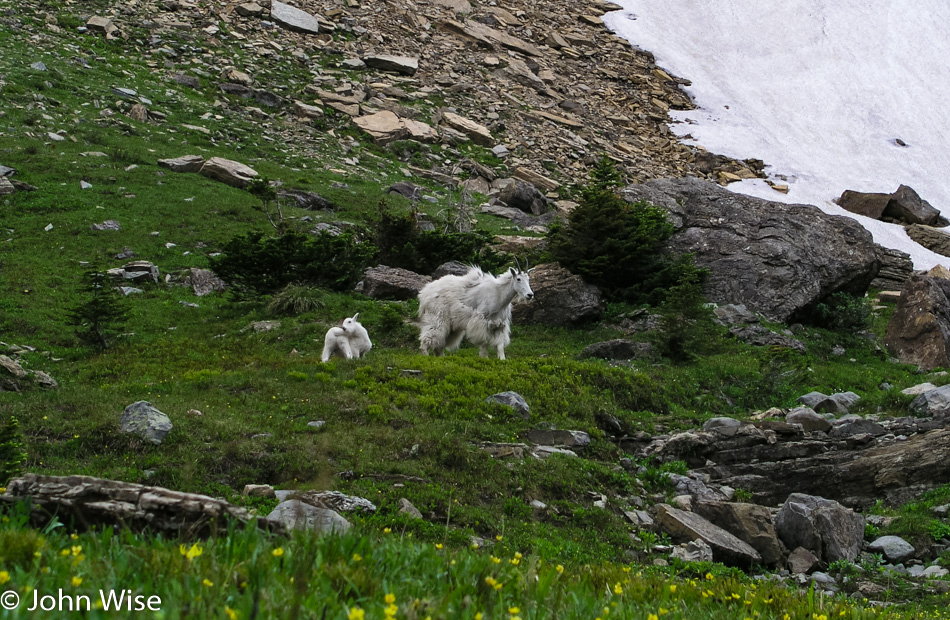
point(350, 340)
point(476, 305)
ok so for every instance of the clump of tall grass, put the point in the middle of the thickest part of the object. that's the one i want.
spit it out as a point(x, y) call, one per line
point(296, 299)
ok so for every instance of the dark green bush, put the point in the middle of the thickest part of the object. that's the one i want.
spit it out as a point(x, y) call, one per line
point(254, 265)
point(617, 246)
point(841, 312)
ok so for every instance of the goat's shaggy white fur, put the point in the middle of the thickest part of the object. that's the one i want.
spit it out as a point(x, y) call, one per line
point(348, 341)
point(476, 305)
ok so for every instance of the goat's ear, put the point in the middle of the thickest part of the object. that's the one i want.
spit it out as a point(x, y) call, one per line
point(356, 316)
point(512, 271)
point(530, 270)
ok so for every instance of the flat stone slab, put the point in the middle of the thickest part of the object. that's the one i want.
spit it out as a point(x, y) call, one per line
point(293, 18)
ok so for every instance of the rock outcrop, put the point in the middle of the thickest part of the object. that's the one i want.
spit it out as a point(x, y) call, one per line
point(560, 298)
point(904, 206)
point(777, 259)
point(86, 502)
point(919, 330)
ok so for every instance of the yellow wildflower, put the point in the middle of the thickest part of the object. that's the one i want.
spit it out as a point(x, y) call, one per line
point(76, 549)
point(495, 560)
point(64, 552)
point(4, 577)
point(231, 614)
point(478, 616)
point(514, 610)
point(559, 569)
point(390, 611)
point(709, 576)
point(76, 581)
point(279, 551)
point(390, 598)
point(518, 555)
point(192, 553)
point(357, 558)
point(357, 614)
point(74, 536)
point(653, 617)
point(672, 588)
point(490, 581)
point(617, 588)
point(438, 545)
point(387, 530)
point(663, 611)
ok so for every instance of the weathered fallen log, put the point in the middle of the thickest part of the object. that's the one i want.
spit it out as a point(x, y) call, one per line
point(84, 502)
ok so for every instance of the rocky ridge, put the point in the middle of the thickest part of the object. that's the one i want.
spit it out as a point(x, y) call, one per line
point(543, 83)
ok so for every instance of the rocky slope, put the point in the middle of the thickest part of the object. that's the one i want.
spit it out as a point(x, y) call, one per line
point(551, 87)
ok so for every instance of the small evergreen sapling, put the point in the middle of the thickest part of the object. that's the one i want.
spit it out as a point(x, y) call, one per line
point(104, 313)
point(12, 451)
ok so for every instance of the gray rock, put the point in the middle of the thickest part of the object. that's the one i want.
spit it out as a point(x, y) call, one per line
point(406, 189)
point(693, 551)
point(935, 572)
point(735, 314)
point(543, 452)
point(306, 200)
point(904, 205)
point(227, 171)
point(259, 490)
point(560, 299)
point(130, 290)
point(185, 163)
point(406, 508)
point(919, 330)
point(513, 400)
point(918, 389)
point(852, 427)
point(748, 522)
point(825, 527)
point(294, 514)
point(382, 282)
point(932, 403)
point(802, 561)
point(204, 282)
point(809, 420)
point(618, 349)
point(451, 268)
point(316, 424)
point(107, 225)
point(760, 336)
point(402, 65)
point(293, 18)
point(570, 439)
point(775, 258)
point(524, 197)
point(724, 426)
point(145, 420)
point(894, 548)
point(686, 527)
point(334, 500)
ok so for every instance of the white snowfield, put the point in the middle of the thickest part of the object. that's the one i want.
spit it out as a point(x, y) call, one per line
point(820, 90)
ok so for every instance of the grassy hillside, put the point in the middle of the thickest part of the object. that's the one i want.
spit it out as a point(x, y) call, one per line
point(241, 400)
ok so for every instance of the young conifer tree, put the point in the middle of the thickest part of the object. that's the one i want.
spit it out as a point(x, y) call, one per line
point(103, 314)
point(12, 452)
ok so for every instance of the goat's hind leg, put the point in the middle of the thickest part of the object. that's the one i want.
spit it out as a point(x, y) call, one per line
point(454, 340)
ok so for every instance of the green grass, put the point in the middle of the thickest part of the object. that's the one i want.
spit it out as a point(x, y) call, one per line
point(381, 425)
point(386, 572)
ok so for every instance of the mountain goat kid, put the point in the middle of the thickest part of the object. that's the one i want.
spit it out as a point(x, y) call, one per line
point(348, 341)
point(476, 305)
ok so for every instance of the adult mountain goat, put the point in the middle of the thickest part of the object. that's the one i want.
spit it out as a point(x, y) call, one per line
point(476, 305)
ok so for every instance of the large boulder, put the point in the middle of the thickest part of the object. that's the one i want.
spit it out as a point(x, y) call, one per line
point(203, 281)
point(777, 259)
point(13, 377)
point(749, 522)
point(904, 205)
point(294, 514)
point(932, 403)
point(227, 171)
point(686, 526)
point(402, 65)
point(141, 418)
point(293, 18)
point(931, 238)
point(382, 282)
point(824, 527)
point(524, 197)
point(894, 548)
point(560, 298)
point(919, 330)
